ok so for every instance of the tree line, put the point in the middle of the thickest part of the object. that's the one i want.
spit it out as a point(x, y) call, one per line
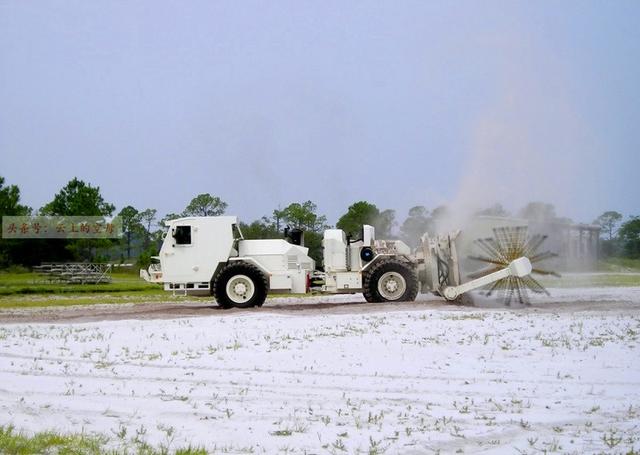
point(143, 229)
point(619, 238)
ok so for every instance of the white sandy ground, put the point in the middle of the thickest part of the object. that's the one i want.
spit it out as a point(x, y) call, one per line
point(488, 379)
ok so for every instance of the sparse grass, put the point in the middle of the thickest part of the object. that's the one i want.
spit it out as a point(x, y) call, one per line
point(84, 299)
point(13, 442)
point(27, 290)
point(619, 265)
point(32, 283)
point(371, 417)
point(593, 280)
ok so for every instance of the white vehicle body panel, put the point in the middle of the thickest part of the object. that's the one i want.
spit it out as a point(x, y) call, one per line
point(287, 264)
point(334, 244)
point(188, 262)
point(211, 243)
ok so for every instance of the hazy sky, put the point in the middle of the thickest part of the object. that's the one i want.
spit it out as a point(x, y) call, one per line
point(266, 103)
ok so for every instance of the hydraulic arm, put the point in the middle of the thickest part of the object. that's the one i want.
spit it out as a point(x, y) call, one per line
point(519, 268)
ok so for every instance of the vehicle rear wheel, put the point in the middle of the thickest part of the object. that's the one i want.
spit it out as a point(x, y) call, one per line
point(390, 280)
point(240, 285)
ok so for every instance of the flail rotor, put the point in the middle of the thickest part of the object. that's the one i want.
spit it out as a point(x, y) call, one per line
point(508, 244)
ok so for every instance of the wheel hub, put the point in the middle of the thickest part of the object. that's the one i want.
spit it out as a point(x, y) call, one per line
point(392, 286)
point(240, 288)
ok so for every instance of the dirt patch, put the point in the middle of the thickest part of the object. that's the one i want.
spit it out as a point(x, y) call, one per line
point(604, 299)
point(326, 372)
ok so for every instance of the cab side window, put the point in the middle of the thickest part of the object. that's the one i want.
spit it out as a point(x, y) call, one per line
point(182, 234)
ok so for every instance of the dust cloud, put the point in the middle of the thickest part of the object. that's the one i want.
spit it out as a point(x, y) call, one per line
point(529, 145)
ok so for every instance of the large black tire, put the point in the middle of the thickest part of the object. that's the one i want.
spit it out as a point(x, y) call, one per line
point(399, 282)
point(240, 285)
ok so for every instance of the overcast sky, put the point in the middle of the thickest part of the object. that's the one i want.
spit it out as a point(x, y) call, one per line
point(266, 103)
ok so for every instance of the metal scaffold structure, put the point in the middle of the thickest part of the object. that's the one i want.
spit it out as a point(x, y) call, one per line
point(74, 272)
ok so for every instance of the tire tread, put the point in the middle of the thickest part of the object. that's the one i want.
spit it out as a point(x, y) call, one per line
point(240, 268)
point(373, 274)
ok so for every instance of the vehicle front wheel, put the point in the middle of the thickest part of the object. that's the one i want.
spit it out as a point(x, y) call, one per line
point(240, 285)
point(390, 280)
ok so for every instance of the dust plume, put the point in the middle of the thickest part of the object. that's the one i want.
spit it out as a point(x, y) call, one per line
point(530, 145)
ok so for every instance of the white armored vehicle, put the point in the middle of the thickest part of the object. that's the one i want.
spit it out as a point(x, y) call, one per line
point(208, 255)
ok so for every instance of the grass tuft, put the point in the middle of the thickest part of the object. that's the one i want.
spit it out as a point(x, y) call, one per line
point(32, 283)
point(13, 442)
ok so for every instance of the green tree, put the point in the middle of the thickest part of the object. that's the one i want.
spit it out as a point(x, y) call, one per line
point(609, 221)
point(153, 237)
point(629, 234)
point(78, 199)
point(12, 251)
point(10, 201)
point(205, 205)
point(130, 225)
point(278, 216)
point(304, 216)
point(263, 228)
point(358, 214)
point(415, 225)
point(147, 217)
point(313, 241)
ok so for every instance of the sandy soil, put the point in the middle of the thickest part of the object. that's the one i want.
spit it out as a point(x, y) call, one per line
point(334, 375)
point(605, 299)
